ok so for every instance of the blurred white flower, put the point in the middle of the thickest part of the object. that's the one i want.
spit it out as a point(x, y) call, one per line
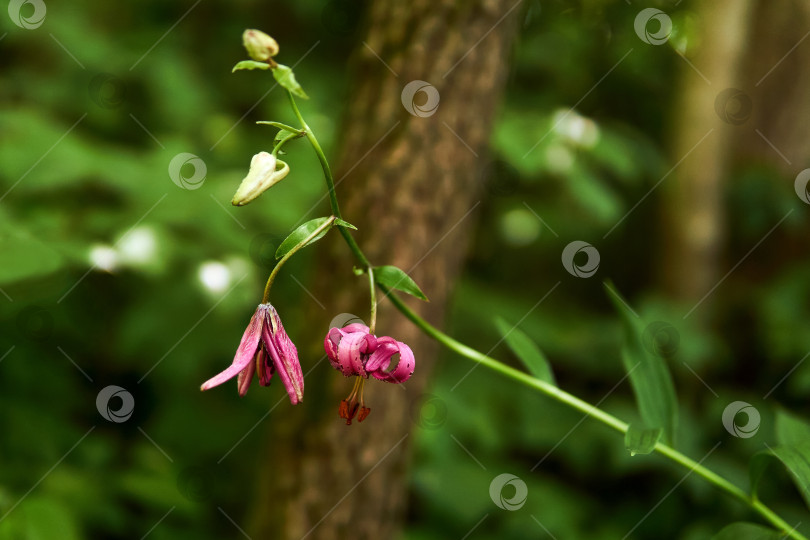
point(138, 247)
point(214, 276)
point(103, 257)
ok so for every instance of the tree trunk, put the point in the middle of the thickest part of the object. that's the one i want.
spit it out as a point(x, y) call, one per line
point(693, 196)
point(411, 184)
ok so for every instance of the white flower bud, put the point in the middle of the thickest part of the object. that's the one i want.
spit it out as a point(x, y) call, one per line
point(259, 45)
point(261, 176)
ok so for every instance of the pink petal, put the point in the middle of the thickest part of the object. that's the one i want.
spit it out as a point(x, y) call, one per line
point(379, 363)
point(245, 378)
point(264, 367)
point(353, 349)
point(285, 357)
point(246, 350)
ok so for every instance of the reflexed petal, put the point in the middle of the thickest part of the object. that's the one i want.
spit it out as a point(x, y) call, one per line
point(379, 364)
point(285, 357)
point(353, 350)
point(244, 379)
point(246, 350)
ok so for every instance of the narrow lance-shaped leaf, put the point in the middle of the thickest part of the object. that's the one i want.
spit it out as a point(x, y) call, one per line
point(649, 374)
point(299, 234)
point(394, 278)
point(279, 125)
point(250, 64)
point(286, 78)
point(747, 531)
point(791, 428)
point(640, 439)
point(796, 459)
point(525, 349)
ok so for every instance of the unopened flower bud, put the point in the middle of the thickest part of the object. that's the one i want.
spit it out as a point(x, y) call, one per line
point(259, 45)
point(261, 176)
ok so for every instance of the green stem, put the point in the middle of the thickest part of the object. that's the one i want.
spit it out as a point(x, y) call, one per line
point(371, 284)
point(283, 141)
point(328, 223)
point(548, 389)
point(330, 184)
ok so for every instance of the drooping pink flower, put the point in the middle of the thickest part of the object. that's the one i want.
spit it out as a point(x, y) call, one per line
point(265, 349)
point(354, 351)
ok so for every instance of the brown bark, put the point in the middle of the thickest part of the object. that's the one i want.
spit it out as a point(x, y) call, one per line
point(406, 181)
point(777, 76)
point(693, 210)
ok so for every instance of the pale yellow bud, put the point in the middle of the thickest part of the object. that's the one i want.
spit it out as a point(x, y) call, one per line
point(259, 45)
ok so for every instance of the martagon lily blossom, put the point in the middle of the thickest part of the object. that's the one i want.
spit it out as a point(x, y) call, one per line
point(354, 351)
point(265, 349)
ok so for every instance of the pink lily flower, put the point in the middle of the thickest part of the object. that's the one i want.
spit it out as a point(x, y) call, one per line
point(354, 351)
point(265, 349)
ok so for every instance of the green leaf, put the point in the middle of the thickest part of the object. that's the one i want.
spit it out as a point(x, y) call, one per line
point(250, 64)
point(640, 439)
point(299, 234)
point(790, 428)
point(649, 374)
point(525, 349)
point(795, 458)
point(279, 125)
point(341, 223)
point(286, 78)
point(25, 257)
point(747, 531)
point(394, 278)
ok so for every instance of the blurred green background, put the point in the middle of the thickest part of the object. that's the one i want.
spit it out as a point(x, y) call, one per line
point(113, 275)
